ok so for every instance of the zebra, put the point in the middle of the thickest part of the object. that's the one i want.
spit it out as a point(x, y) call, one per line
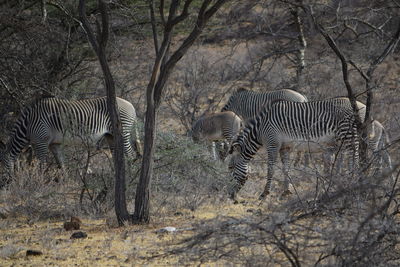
point(284, 125)
point(221, 126)
point(247, 104)
point(51, 123)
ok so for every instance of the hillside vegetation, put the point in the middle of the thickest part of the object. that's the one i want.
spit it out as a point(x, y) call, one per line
point(331, 219)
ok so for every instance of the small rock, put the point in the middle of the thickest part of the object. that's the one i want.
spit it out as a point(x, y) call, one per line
point(31, 252)
point(78, 235)
point(168, 229)
point(178, 213)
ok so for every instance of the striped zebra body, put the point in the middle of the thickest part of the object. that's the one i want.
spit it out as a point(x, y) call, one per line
point(51, 123)
point(328, 123)
point(248, 104)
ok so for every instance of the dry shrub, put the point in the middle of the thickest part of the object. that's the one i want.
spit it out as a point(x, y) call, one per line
point(185, 175)
point(38, 193)
point(352, 221)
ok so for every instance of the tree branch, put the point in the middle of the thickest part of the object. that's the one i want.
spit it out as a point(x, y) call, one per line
point(86, 26)
point(153, 25)
point(202, 18)
point(343, 60)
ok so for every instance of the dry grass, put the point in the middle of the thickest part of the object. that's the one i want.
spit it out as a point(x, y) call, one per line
point(105, 245)
point(210, 232)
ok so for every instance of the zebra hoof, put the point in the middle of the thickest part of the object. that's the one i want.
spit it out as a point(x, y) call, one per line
point(232, 196)
point(263, 196)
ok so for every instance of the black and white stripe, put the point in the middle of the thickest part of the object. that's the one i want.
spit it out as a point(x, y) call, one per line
point(247, 104)
point(50, 122)
point(285, 122)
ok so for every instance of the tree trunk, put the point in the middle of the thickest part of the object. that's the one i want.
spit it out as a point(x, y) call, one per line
point(121, 210)
point(99, 46)
point(142, 204)
point(162, 69)
point(302, 48)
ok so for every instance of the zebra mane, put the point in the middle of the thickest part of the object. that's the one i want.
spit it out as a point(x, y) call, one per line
point(275, 101)
point(39, 100)
point(263, 112)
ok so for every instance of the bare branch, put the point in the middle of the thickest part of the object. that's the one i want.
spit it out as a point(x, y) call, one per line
point(153, 25)
point(339, 54)
point(202, 18)
point(388, 50)
point(162, 12)
point(44, 11)
point(104, 22)
point(11, 93)
point(86, 26)
point(362, 73)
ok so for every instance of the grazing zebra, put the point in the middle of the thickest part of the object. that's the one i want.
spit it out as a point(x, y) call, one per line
point(221, 126)
point(247, 104)
point(51, 123)
point(308, 125)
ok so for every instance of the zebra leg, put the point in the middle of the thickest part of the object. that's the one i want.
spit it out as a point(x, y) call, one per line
point(329, 159)
point(214, 151)
point(305, 157)
point(136, 142)
point(272, 155)
point(41, 150)
point(284, 154)
point(240, 170)
point(223, 149)
point(56, 150)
